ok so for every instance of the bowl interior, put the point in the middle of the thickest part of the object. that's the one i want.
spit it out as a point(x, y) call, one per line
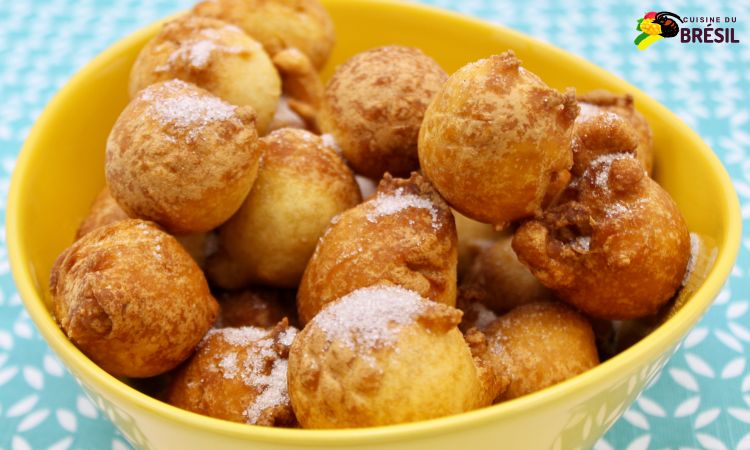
point(60, 170)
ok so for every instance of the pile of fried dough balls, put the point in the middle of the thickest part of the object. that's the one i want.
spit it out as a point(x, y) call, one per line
point(231, 255)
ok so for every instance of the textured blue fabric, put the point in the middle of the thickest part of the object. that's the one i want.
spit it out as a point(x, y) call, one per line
point(701, 400)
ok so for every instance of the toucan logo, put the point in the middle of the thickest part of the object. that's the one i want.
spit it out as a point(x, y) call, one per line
point(656, 26)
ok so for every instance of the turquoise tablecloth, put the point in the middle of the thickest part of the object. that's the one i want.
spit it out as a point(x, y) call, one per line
point(701, 400)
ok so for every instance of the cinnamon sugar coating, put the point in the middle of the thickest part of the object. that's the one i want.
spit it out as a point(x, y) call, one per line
point(495, 141)
point(182, 157)
point(131, 298)
point(405, 235)
point(617, 249)
point(238, 374)
point(216, 56)
point(355, 364)
point(599, 101)
point(374, 105)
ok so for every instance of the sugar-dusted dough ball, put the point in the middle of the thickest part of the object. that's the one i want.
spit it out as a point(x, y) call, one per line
point(104, 210)
point(238, 374)
point(542, 344)
point(405, 235)
point(131, 298)
point(278, 24)
point(182, 157)
point(384, 355)
point(374, 105)
point(495, 141)
point(617, 249)
point(601, 101)
point(216, 56)
point(301, 185)
point(257, 307)
point(499, 280)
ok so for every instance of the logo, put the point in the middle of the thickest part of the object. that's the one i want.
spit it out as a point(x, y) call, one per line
point(655, 26)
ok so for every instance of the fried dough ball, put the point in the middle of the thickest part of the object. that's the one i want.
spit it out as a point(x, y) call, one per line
point(495, 141)
point(374, 105)
point(131, 298)
point(617, 251)
point(470, 235)
point(405, 236)
point(599, 133)
point(216, 56)
point(256, 307)
point(278, 24)
point(622, 105)
point(355, 364)
point(182, 157)
point(497, 278)
point(542, 344)
point(238, 374)
point(104, 210)
point(301, 185)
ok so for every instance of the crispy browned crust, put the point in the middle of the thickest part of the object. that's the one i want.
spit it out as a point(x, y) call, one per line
point(335, 383)
point(599, 133)
point(174, 159)
point(256, 307)
point(214, 55)
point(542, 344)
point(414, 247)
point(624, 106)
point(217, 382)
point(131, 298)
point(617, 250)
point(499, 280)
point(301, 185)
point(495, 141)
point(374, 105)
point(278, 24)
point(104, 210)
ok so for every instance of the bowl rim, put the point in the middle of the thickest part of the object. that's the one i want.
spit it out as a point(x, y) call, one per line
point(658, 341)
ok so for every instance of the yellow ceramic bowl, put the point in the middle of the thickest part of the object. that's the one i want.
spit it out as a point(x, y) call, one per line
point(60, 170)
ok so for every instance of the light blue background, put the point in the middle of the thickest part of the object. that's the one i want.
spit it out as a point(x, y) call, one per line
point(701, 400)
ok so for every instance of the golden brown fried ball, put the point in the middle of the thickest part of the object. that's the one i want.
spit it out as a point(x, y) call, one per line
point(182, 157)
point(355, 364)
point(542, 344)
point(216, 56)
point(238, 374)
point(497, 278)
point(405, 236)
point(618, 250)
point(471, 235)
point(278, 24)
point(599, 133)
point(603, 101)
point(131, 298)
point(495, 141)
point(256, 307)
point(374, 105)
point(301, 185)
point(104, 210)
